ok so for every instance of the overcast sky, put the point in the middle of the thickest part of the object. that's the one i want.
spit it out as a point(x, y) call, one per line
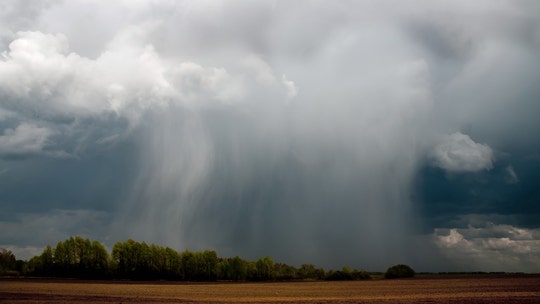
point(360, 133)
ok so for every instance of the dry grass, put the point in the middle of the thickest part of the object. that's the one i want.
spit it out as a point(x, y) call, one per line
point(438, 289)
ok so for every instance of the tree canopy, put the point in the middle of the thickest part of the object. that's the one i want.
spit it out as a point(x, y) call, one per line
point(399, 271)
point(82, 258)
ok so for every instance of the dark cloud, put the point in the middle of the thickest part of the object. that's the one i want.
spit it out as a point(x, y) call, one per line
point(312, 132)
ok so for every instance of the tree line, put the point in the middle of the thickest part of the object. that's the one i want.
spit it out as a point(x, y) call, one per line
point(77, 257)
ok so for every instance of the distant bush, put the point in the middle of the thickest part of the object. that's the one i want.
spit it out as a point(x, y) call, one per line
point(360, 275)
point(399, 271)
point(338, 276)
point(347, 275)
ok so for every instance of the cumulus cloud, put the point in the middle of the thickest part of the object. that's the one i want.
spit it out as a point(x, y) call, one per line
point(42, 82)
point(38, 74)
point(491, 247)
point(459, 153)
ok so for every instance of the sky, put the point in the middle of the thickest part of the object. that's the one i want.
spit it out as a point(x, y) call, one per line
point(359, 133)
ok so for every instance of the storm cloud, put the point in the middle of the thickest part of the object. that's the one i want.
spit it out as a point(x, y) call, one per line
point(307, 131)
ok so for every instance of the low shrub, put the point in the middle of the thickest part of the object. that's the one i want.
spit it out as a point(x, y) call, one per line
point(399, 271)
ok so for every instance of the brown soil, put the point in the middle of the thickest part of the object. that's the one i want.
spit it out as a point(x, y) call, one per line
point(434, 289)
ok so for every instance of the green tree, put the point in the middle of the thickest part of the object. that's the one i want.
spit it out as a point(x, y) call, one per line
point(360, 275)
point(99, 260)
point(224, 270)
point(251, 270)
point(208, 269)
point(172, 263)
point(8, 262)
point(284, 272)
point(133, 259)
point(309, 271)
point(78, 257)
point(61, 256)
point(265, 267)
point(100, 255)
point(333, 275)
point(43, 264)
point(119, 259)
point(84, 255)
point(239, 269)
point(189, 265)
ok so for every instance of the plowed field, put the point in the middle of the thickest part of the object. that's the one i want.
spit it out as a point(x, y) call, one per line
point(436, 289)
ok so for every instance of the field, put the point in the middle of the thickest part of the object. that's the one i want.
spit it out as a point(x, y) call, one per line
point(432, 289)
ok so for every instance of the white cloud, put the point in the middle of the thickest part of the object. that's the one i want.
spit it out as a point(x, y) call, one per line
point(459, 153)
point(491, 247)
point(452, 239)
point(292, 90)
point(126, 78)
point(25, 139)
point(42, 82)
